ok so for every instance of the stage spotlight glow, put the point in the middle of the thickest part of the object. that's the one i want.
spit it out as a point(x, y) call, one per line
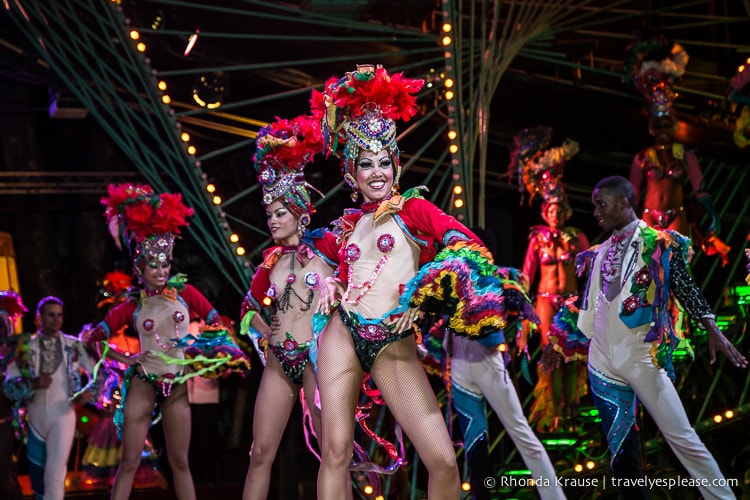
point(209, 90)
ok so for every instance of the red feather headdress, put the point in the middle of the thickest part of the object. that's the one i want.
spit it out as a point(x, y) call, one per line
point(11, 303)
point(137, 215)
point(360, 108)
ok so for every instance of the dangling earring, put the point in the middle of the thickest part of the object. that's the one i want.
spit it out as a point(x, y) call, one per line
point(302, 224)
point(349, 178)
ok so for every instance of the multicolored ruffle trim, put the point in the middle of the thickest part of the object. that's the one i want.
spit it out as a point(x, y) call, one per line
point(214, 354)
point(565, 336)
point(464, 284)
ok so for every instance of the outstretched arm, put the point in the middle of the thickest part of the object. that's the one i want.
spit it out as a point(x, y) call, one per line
point(636, 175)
point(687, 292)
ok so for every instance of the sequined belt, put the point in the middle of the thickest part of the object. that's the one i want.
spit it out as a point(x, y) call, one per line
point(664, 217)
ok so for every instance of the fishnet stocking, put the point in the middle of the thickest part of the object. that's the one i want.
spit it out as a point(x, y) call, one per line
point(409, 396)
point(405, 389)
point(339, 379)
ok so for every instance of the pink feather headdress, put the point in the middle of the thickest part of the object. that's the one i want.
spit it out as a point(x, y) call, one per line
point(283, 149)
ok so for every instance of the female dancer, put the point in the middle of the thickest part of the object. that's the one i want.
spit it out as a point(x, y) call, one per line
point(160, 313)
point(552, 250)
point(382, 247)
point(654, 63)
point(287, 282)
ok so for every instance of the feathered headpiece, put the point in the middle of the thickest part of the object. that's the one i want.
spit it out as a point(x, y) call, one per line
point(149, 221)
point(540, 166)
point(652, 63)
point(11, 303)
point(361, 108)
point(114, 289)
point(282, 150)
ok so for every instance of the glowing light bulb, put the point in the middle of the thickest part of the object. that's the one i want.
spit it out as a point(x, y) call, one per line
point(141, 47)
point(447, 27)
point(240, 251)
point(234, 238)
point(458, 203)
point(162, 85)
point(185, 137)
point(216, 200)
point(453, 148)
point(134, 35)
point(210, 188)
point(449, 83)
point(452, 134)
point(457, 189)
point(447, 40)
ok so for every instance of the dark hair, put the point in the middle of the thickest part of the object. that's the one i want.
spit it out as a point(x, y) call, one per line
point(618, 185)
point(50, 299)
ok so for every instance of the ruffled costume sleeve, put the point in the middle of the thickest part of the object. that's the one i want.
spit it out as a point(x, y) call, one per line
point(17, 385)
point(115, 319)
point(200, 305)
point(462, 282)
point(253, 303)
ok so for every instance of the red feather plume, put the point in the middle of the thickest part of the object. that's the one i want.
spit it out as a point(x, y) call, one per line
point(136, 212)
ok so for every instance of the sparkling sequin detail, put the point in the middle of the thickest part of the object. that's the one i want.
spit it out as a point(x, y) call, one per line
point(352, 253)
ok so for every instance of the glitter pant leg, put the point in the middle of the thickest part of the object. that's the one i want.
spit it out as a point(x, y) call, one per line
point(620, 355)
point(481, 370)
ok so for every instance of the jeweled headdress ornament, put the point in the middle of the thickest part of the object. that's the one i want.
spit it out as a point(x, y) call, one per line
point(652, 63)
point(147, 222)
point(283, 149)
point(540, 165)
point(361, 109)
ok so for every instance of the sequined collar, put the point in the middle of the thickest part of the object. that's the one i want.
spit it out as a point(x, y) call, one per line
point(626, 232)
point(369, 207)
point(151, 293)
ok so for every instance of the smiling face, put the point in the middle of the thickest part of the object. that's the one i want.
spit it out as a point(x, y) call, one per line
point(282, 224)
point(611, 210)
point(156, 274)
point(374, 175)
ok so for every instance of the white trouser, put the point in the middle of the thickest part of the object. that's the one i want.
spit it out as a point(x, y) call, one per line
point(481, 370)
point(53, 419)
point(622, 355)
